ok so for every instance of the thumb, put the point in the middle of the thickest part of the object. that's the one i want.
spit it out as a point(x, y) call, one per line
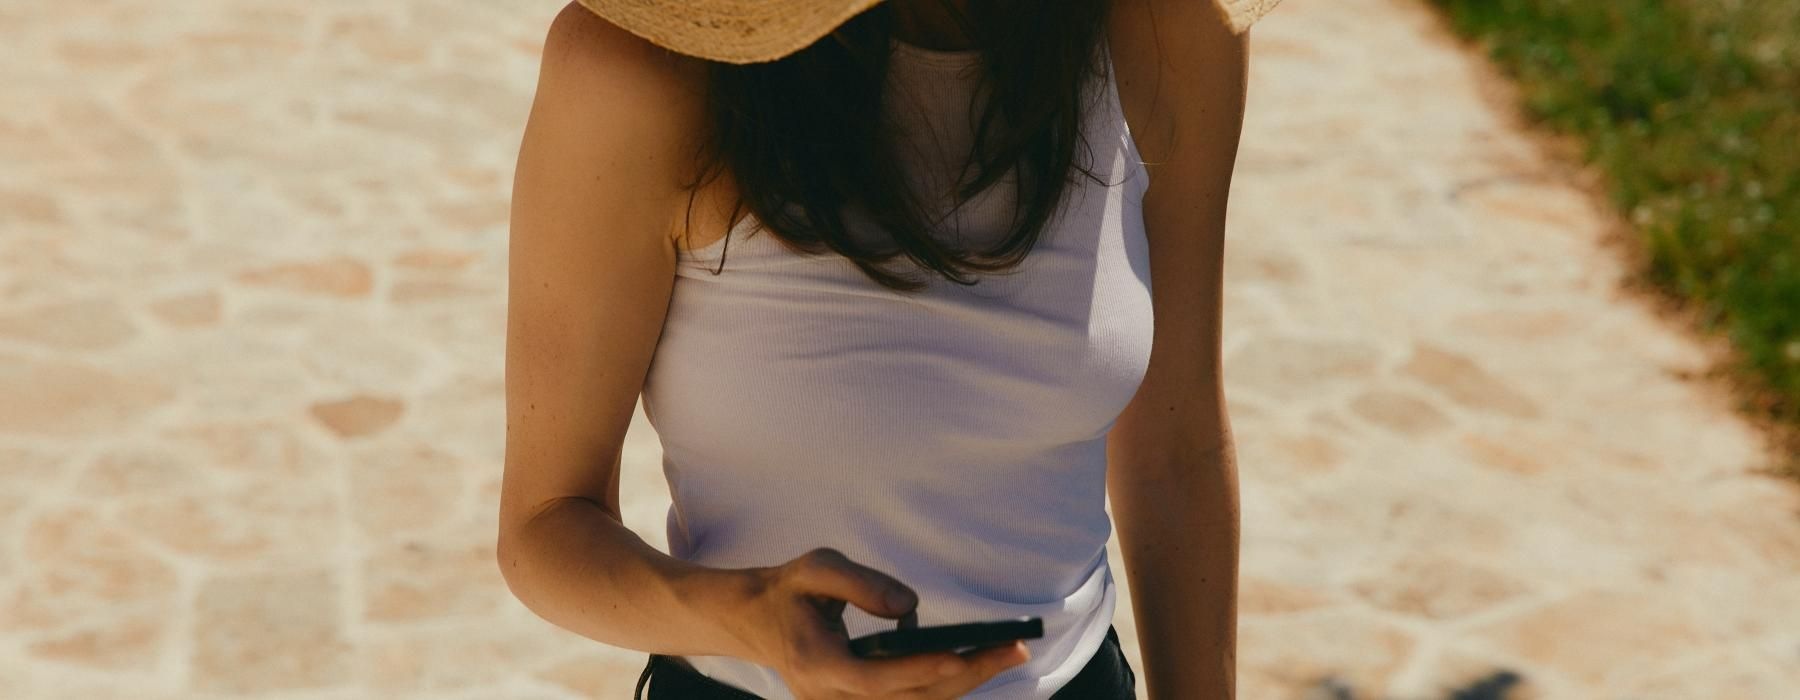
point(828, 572)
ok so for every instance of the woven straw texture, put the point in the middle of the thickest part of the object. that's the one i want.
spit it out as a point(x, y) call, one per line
point(1243, 13)
point(754, 31)
point(732, 31)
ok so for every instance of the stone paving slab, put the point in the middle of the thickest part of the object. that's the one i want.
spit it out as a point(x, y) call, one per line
point(252, 283)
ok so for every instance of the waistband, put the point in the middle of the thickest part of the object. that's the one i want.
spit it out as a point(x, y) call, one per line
point(1106, 676)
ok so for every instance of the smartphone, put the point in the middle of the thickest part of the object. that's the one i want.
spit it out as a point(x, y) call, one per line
point(958, 637)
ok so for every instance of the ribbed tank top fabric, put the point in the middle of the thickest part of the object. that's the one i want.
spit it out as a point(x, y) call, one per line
point(955, 439)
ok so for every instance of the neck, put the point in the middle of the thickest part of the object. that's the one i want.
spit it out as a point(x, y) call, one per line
point(932, 24)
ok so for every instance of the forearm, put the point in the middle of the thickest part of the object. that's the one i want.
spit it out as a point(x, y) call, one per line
point(1179, 533)
point(581, 569)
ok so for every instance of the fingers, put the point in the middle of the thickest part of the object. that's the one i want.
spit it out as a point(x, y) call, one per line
point(826, 663)
point(828, 658)
point(978, 666)
point(934, 676)
point(828, 572)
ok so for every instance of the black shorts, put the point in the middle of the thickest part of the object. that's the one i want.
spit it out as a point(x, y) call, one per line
point(1107, 676)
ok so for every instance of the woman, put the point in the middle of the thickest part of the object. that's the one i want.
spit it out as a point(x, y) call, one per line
point(881, 273)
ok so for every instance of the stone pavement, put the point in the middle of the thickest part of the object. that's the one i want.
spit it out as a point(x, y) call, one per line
point(252, 282)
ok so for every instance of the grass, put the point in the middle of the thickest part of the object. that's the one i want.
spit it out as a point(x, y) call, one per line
point(1691, 110)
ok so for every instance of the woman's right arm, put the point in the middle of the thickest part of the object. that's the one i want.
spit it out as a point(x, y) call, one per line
point(595, 200)
point(590, 272)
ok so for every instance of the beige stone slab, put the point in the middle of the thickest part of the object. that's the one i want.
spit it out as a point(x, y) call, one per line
point(252, 323)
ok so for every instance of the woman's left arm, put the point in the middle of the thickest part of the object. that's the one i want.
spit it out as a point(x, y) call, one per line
point(1171, 469)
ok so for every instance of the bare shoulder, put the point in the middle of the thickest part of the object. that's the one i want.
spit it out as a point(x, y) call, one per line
point(583, 49)
point(626, 105)
point(591, 261)
point(1169, 56)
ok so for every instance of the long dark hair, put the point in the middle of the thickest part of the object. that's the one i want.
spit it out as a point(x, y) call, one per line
point(804, 136)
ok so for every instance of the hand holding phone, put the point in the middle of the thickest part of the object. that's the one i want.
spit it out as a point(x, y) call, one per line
point(909, 638)
point(792, 621)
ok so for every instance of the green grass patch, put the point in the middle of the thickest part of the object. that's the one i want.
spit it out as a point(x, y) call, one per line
point(1691, 108)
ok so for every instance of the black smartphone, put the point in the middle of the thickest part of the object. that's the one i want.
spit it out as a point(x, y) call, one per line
point(958, 637)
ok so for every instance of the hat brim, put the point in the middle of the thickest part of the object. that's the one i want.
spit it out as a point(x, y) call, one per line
point(757, 31)
point(1240, 14)
point(731, 31)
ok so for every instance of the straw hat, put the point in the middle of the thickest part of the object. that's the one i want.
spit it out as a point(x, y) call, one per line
point(753, 31)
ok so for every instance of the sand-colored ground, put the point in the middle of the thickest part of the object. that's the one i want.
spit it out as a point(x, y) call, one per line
point(252, 276)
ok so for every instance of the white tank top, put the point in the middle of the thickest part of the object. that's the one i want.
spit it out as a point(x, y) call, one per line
point(955, 439)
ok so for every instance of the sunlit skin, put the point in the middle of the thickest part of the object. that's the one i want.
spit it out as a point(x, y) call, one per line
point(598, 216)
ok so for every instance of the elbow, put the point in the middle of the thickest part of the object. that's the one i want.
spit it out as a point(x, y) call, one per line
point(513, 554)
point(507, 557)
point(517, 542)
